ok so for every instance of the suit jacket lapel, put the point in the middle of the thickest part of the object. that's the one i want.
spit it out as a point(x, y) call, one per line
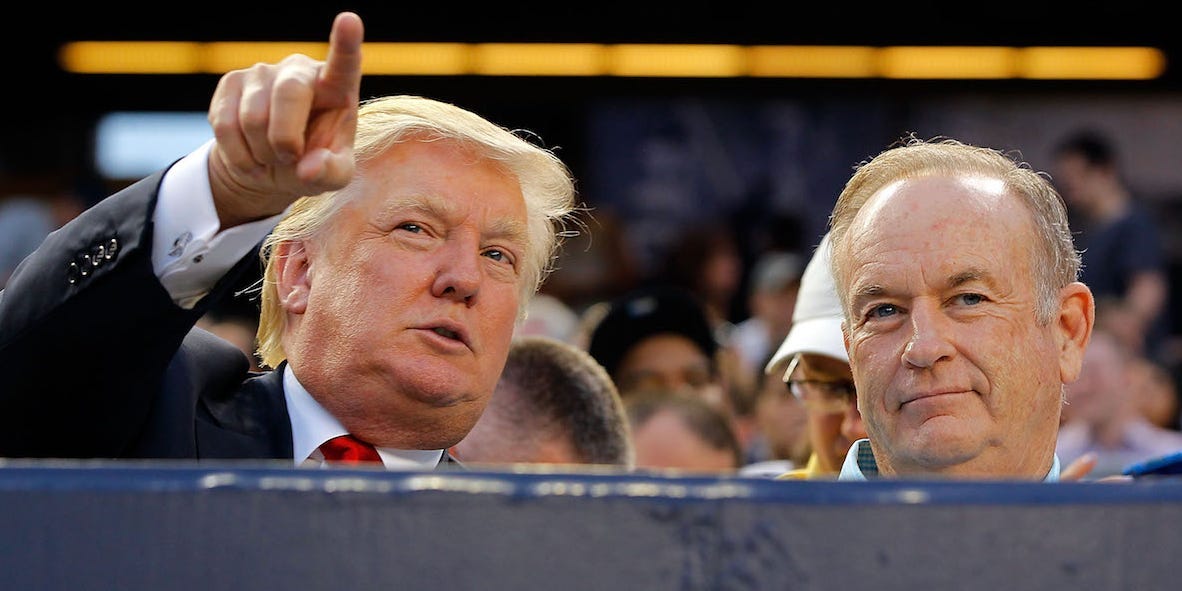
point(249, 422)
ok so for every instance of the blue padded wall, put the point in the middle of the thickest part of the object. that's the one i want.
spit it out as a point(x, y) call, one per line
point(69, 526)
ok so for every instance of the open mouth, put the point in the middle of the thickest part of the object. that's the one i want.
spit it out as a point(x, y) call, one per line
point(451, 334)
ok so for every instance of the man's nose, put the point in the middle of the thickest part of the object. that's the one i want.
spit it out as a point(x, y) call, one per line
point(459, 273)
point(929, 342)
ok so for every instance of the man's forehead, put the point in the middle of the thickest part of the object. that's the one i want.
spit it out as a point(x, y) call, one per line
point(510, 223)
point(929, 214)
point(945, 191)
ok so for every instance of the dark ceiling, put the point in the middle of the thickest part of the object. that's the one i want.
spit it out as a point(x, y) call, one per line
point(48, 109)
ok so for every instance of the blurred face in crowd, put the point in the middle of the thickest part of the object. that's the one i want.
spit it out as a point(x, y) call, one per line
point(782, 419)
point(1156, 392)
point(775, 307)
point(665, 441)
point(1074, 179)
point(406, 304)
point(1102, 389)
point(825, 386)
point(664, 361)
point(1084, 185)
point(955, 374)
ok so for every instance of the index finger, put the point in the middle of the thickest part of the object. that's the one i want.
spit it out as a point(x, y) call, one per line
point(342, 67)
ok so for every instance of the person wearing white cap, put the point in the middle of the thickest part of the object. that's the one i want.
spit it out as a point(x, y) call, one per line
point(818, 371)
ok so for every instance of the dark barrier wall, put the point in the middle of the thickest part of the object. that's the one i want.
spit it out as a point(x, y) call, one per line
point(168, 527)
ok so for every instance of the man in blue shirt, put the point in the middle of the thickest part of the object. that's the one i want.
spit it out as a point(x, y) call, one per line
point(1124, 261)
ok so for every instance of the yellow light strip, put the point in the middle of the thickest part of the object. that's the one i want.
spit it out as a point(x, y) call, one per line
point(117, 57)
point(817, 61)
point(947, 62)
point(540, 59)
point(1109, 63)
point(637, 60)
point(688, 61)
point(418, 59)
point(223, 57)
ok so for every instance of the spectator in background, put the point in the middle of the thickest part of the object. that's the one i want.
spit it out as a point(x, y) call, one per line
point(659, 338)
point(1150, 383)
point(594, 266)
point(554, 404)
point(775, 281)
point(1122, 252)
point(812, 361)
point(1156, 392)
point(1104, 416)
point(779, 440)
point(25, 221)
point(963, 316)
point(682, 432)
point(549, 316)
point(705, 260)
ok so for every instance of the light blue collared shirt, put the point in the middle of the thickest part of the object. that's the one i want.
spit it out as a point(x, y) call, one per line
point(860, 464)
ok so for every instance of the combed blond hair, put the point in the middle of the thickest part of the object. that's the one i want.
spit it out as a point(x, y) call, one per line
point(1056, 262)
point(546, 184)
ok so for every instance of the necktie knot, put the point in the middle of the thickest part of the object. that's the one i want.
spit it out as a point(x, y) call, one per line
point(346, 449)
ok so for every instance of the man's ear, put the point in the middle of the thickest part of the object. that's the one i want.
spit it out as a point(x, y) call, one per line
point(1077, 315)
point(293, 280)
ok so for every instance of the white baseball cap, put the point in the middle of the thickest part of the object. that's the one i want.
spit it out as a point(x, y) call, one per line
point(816, 320)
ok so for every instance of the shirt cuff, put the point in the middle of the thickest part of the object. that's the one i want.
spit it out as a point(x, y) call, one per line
point(189, 254)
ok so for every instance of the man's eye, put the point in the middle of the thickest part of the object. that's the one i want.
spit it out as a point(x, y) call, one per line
point(410, 227)
point(497, 255)
point(970, 299)
point(882, 311)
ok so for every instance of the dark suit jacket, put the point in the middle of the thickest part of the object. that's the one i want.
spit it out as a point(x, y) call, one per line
point(96, 361)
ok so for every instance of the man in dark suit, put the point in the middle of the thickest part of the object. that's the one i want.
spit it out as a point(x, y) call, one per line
point(402, 239)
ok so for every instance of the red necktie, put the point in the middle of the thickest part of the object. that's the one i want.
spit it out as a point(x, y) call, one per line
point(347, 449)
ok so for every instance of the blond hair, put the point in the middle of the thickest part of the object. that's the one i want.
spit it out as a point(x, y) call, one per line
point(1056, 261)
point(546, 185)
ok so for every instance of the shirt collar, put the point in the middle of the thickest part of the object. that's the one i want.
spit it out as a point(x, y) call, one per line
point(860, 464)
point(312, 425)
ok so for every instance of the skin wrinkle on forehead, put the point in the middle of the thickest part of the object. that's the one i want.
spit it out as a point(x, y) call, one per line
point(984, 192)
point(435, 207)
